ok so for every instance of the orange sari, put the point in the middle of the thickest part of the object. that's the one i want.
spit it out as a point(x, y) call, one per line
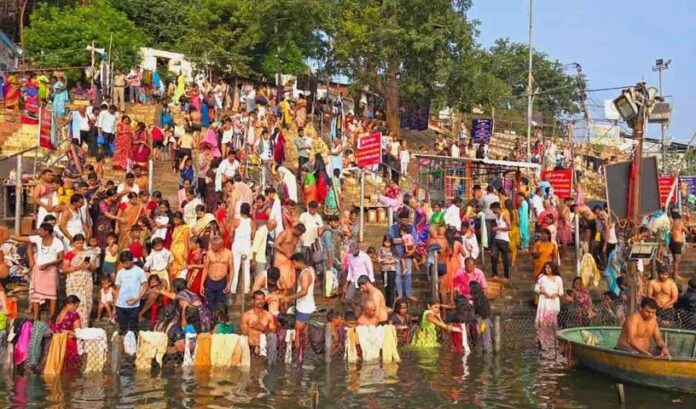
point(546, 251)
point(131, 214)
point(179, 249)
point(452, 267)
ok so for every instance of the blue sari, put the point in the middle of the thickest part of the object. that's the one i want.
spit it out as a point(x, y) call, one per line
point(524, 225)
point(611, 274)
point(205, 115)
point(60, 98)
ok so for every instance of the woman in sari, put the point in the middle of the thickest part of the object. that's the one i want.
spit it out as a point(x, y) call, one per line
point(514, 235)
point(12, 93)
point(78, 268)
point(332, 204)
point(420, 221)
point(180, 246)
point(301, 111)
point(565, 232)
point(309, 188)
point(60, 97)
point(180, 87)
point(523, 214)
point(322, 178)
point(128, 215)
point(549, 287)
point(31, 96)
point(105, 218)
point(544, 252)
point(123, 143)
point(278, 143)
point(286, 117)
point(454, 251)
point(140, 148)
point(68, 320)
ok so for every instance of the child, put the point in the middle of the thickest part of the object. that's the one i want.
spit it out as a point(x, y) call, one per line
point(173, 144)
point(106, 299)
point(409, 247)
point(99, 167)
point(131, 283)
point(110, 255)
point(223, 325)
point(274, 299)
point(136, 246)
point(388, 265)
point(158, 262)
point(154, 286)
point(95, 252)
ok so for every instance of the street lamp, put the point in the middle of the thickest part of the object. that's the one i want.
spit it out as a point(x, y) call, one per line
point(661, 65)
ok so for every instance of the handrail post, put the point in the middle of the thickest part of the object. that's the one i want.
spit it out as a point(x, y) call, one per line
point(150, 175)
point(18, 195)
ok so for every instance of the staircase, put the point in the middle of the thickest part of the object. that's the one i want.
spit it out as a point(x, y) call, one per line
point(15, 136)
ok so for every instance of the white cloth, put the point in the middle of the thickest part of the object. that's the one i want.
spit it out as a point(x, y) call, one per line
point(122, 187)
point(290, 182)
point(263, 345)
point(452, 217)
point(371, 339)
point(306, 304)
point(289, 339)
point(188, 358)
point(130, 346)
point(549, 285)
point(277, 215)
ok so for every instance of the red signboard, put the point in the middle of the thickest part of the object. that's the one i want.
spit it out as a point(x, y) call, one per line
point(665, 182)
point(369, 151)
point(45, 123)
point(561, 181)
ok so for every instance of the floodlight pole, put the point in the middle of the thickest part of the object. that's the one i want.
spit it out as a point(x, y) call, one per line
point(661, 65)
point(529, 80)
point(638, 128)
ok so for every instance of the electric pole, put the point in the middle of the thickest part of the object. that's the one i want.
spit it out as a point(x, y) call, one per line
point(529, 80)
point(661, 65)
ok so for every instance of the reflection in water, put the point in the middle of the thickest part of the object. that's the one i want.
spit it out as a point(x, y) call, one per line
point(429, 379)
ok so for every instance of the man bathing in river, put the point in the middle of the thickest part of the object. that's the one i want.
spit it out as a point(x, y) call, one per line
point(284, 249)
point(257, 321)
point(376, 297)
point(639, 329)
point(217, 274)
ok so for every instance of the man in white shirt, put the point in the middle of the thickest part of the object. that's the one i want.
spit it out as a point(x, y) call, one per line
point(312, 222)
point(488, 199)
point(228, 167)
point(537, 202)
point(126, 187)
point(455, 150)
point(106, 123)
point(452, 216)
point(359, 264)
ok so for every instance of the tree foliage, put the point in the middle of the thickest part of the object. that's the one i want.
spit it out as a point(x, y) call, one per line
point(555, 92)
point(165, 22)
point(402, 49)
point(58, 35)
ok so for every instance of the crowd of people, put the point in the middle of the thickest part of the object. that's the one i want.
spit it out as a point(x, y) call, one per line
point(109, 250)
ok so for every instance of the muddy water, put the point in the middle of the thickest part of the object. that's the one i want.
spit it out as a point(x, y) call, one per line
point(517, 378)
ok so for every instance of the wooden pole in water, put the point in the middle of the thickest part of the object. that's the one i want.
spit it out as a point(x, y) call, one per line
point(622, 394)
point(496, 333)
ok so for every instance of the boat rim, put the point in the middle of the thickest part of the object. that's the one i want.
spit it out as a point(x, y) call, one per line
point(562, 335)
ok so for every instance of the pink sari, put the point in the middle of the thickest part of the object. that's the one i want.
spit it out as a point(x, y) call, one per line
point(123, 142)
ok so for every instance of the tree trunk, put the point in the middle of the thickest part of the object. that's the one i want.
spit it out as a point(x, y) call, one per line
point(392, 97)
point(22, 9)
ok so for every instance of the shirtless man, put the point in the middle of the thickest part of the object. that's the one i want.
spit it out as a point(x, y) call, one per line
point(374, 296)
point(639, 329)
point(45, 197)
point(676, 242)
point(589, 219)
point(217, 273)
point(262, 279)
point(665, 293)
point(257, 321)
point(369, 315)
point(241, 194)
point(284, 249)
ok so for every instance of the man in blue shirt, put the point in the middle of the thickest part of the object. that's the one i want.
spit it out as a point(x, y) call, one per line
point(131, 285)
point(403, 278)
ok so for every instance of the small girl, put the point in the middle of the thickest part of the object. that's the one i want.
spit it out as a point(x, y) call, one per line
point(106, 299)
point(99, 168)
point(136, 245)
point(110, 255)
point(387, 261)
point(409, 247)
point(95, 252)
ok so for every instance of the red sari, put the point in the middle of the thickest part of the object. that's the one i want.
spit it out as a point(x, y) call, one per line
point(71, 361)
point(140, 151)
point(124, 141)
point(195, 275)
point(12, 93)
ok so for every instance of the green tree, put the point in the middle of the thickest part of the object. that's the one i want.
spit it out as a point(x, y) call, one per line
point(556, 92)
point(165, 22)
point(58, 35)
point(401, 49)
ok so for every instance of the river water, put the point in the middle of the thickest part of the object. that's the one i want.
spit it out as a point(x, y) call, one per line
point(513, 378)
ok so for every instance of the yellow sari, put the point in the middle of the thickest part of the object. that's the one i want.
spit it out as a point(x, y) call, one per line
point(514, 235)
point(179, 249)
